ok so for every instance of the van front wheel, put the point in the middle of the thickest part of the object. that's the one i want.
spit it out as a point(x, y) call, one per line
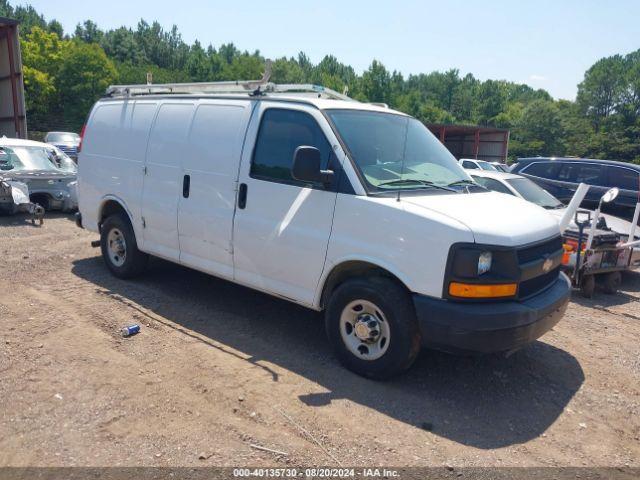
point(371, 323)
point(119, 249)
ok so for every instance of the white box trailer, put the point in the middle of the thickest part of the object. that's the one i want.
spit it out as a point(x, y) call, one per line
point(13, 119)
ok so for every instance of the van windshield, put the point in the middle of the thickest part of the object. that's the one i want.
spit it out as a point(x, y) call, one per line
point(396, 152)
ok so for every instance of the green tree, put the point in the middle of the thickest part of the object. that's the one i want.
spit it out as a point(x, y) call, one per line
point(40, 95)
point(42, 50)
point(491, 100)
point(88, 32)
point(55, 26)
point(538, 130)
point(122, 46)
point(198, 65)
point(375, 83)
point(600, 92)
point(84, 75)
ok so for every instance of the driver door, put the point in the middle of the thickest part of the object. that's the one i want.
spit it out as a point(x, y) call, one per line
point(282, 226)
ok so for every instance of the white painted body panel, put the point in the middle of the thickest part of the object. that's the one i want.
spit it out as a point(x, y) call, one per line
point(407, 240)
point(494, 218)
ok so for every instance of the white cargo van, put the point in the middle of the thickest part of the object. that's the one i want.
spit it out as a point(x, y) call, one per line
point(337, 205)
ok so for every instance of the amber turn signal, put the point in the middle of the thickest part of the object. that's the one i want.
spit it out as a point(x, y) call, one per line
point(467, 290)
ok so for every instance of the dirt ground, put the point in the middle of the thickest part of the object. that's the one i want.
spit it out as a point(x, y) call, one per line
point(218, 368)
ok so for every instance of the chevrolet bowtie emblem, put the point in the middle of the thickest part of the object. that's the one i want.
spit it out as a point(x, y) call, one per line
point(546, 266)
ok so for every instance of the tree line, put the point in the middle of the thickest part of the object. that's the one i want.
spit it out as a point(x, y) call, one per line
point(64, 74)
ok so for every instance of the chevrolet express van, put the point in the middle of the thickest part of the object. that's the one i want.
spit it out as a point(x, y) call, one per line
point(340, 206)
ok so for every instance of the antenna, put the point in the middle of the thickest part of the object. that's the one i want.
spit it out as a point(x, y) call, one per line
point(404, 154)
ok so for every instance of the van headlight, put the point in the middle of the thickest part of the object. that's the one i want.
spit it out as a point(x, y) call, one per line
point(481, 271)
point(484, 262)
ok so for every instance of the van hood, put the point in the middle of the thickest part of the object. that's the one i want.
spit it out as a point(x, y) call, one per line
point(493, 218)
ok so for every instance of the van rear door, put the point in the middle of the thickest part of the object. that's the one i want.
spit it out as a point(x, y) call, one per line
point(282, 226)
point(210, 161)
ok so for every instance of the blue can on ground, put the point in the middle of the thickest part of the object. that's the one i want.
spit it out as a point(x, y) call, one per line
point(130, 330)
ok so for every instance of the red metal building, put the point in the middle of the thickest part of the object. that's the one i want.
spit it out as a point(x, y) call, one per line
point(468, 141)
point(13, 120)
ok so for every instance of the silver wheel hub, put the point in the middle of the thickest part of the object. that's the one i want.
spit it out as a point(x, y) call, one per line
point(365, 330)
point(116, 247)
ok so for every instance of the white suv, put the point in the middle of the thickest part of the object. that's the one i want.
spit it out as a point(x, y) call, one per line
point(337, 205)
point(472, 164)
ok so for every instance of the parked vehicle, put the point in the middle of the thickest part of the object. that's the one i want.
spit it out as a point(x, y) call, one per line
point(523, 187)
point(561, 176)
point(49, 174)
point(66, 141)
point(471, 164)
point(14, 198)
point(501, 167)
point(337, 205)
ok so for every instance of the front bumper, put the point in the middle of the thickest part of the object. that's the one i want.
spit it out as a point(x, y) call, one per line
point(490, 327)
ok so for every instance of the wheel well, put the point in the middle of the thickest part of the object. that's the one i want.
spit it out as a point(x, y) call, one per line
point(353, 269)
point(41, 199)
point(111, 207)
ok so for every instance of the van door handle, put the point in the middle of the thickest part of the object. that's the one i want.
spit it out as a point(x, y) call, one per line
point(242, 196)
point(186, 185)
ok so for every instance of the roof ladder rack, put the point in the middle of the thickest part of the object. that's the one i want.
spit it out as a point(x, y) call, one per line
point(251, 87)
point(238, 86)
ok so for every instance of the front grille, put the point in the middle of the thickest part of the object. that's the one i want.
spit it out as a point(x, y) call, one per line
point(537, 284)
point(533, 253)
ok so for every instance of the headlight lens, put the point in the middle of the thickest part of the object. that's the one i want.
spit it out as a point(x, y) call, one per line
point(482, 271)
point(484, 262)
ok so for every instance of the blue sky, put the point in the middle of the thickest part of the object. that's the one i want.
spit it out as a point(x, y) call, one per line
point(546, 44)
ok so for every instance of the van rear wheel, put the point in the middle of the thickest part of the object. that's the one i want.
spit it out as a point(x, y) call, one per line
point(371, 324)
point(119, 249)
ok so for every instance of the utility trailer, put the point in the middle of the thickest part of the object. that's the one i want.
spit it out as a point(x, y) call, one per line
point(601, 254)
point(13, 119)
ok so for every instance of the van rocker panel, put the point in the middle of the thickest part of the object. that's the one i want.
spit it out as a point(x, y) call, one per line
point(490, 327)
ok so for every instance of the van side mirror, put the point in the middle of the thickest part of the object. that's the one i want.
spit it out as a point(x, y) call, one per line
point(306, 166)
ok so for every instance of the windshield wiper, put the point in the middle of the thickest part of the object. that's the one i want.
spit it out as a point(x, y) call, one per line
point(467, 184)
point(464, 182)
point(409, 181)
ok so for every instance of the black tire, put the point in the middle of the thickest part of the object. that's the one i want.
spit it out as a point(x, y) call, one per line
point(135, 261)
point(611, 282)
point(588, 286)
point(397, 307)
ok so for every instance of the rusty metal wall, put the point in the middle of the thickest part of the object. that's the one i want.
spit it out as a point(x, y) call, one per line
point(13, 122)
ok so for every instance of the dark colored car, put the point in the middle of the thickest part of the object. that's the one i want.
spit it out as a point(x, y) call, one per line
point(561, 177)
point(66, 141)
